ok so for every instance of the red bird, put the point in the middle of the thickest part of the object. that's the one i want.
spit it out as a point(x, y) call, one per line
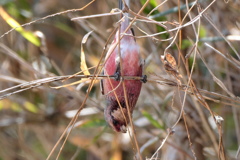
point(131, 65)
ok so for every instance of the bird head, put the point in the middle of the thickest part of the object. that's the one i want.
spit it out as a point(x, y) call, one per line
point(116, 116)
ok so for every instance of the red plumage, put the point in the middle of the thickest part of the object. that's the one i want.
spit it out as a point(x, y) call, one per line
point(131, 66)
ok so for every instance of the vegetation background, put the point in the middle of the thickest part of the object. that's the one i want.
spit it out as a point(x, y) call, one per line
point(170, 123)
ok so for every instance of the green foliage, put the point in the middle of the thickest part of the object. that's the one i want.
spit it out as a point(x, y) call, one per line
point(1, 105)
point(65, 27)
point(19, 9)
point(94, 123)
point(151, 5)
point(186, 44)
point(31, 107)
point(202, 32)
point(16, 107)
point(30, 37)
point(153, 121)
point(3, 2)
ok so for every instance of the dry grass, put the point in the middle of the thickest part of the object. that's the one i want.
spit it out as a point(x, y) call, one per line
point(190, 110)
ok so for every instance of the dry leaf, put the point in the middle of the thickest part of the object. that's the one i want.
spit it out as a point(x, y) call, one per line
point(83, 64)
point(74, 83)
point(170, 66)
point(16, 26)
point(171, 60)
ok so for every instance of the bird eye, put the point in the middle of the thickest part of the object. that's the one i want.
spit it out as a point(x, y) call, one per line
point(115, 122)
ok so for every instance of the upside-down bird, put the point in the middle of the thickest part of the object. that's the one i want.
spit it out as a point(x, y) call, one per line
point(122, 59)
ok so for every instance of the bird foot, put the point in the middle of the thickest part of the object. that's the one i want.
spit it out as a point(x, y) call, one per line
point(117, 76)
point(144, 78)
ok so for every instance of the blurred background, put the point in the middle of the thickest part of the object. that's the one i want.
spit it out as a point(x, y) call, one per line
point(32, 121)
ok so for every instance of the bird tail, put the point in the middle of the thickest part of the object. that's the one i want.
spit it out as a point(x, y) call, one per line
point(120, 4)
point(125, 22)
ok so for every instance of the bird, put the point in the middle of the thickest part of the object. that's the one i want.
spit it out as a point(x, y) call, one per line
point(122, 59)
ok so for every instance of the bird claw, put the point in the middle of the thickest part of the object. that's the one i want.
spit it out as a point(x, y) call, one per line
point(117, 76)
point(144, 78)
